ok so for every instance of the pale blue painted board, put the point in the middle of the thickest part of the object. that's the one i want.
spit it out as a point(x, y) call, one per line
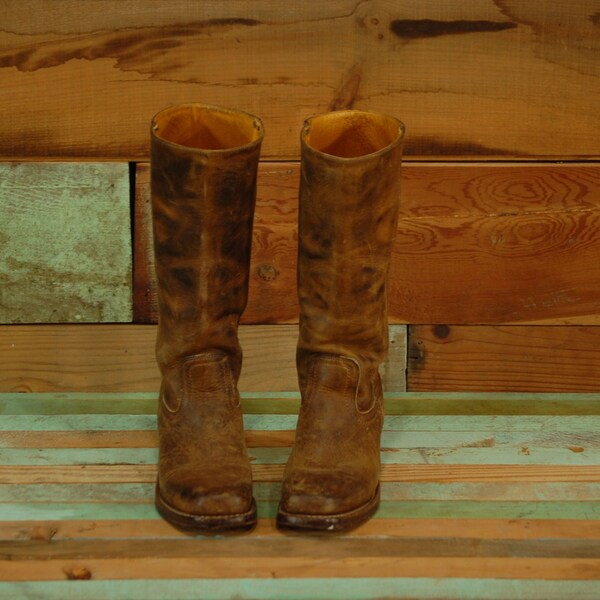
point(46, 511)
point(113, 493)
point(76, 422)
point(484, 439)
point(492, 423)
point(559, 427)
point(269, 456)
point(303, 589)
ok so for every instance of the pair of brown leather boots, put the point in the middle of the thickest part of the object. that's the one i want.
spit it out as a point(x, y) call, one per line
point(204, 169)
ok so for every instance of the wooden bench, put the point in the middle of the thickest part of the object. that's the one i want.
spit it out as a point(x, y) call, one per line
point(484, 496)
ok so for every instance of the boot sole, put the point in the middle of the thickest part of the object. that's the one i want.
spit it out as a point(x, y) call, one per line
point(198, 524)
point(329, 523)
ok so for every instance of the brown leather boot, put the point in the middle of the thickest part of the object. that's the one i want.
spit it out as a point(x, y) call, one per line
point(349, 196)
point(204, 163)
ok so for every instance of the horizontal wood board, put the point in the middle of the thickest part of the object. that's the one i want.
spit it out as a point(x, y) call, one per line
point(65, 243)
point(478, 79)
point(480, 528)
point(509, 358)
point(109, 358)
point(424, 588)
point(476, 243)
point(113, 358)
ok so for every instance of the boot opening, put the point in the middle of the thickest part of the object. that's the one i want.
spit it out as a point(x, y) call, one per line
point(351, 133)
point(206, 127)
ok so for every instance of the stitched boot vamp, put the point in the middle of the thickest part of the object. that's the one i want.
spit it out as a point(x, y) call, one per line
point(204, 467)
point(206, 489)
point(335, 464)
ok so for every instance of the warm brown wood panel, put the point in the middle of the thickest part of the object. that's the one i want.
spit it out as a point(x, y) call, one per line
point(477, 243)
point(120, 358)
point(480, 78)
point(505, 358)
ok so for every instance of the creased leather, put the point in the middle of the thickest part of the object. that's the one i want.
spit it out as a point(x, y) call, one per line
point(203, 207)
point(204, 467)
point(347, 223)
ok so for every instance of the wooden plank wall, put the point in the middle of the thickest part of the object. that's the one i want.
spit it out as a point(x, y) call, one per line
point(486, 78)
point(495, 276)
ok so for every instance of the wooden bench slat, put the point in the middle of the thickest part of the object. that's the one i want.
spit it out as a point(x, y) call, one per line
point(500, 491)
point(388, 510)
point(469, 492)
point(284, 547)
point(495, 528)
point(488, 455)
point(46, 569)
point(338, 588)
point(24, 474)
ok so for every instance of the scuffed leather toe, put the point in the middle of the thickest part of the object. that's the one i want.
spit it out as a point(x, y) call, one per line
point(313, 493)
point(189, 492)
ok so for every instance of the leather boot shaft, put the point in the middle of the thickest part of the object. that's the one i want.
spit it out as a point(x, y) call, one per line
point(203, 178)
point(348, 215)
point(204, 166)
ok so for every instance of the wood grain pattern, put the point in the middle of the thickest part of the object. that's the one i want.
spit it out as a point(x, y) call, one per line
point(65, 243)
point(477, 243)
point(483, 78)
point(251, 566)
point(115, 358)
point(511, 358)
point(398, 528)
point(67, 474)
point(475, 526)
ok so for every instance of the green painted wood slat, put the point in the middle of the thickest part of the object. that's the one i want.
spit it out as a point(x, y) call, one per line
point(272, 456)
point(333, 588)
point(416, 509)
point(114, 493)
point(414, 403)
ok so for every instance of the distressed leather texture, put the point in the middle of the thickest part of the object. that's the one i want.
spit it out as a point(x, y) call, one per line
point(347, 224)
point(204, 467)
point(203, 207)
point(334, 466)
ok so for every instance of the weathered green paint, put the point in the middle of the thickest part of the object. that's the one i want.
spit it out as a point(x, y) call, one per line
point(416, 509)
point(493, 404)
point(83, 422)
point(545, 430)
point(65, 243)
point(494, 430)
point(78, 456)
point(114, 493)
point(490, 438)
point(334, 588)
point(406, 403)
point(64, 406)
point(493, 423)
point(431, 454)
point(44, 511)
point(478, 510)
